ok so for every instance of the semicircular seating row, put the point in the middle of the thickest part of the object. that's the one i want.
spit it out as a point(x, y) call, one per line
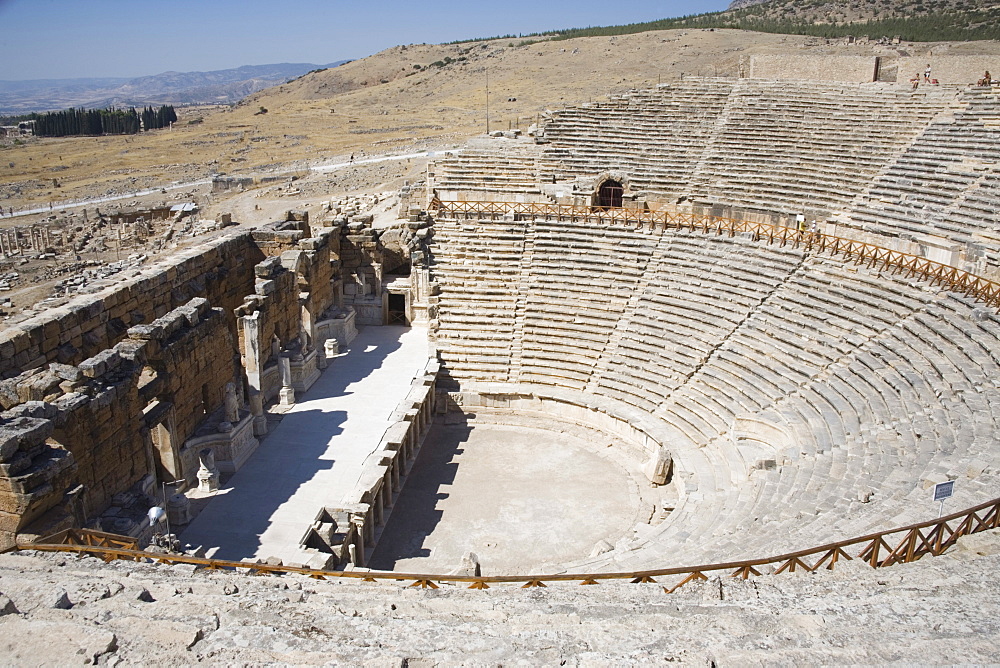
point(772, 145)
point(807, 400)
point(922, 166)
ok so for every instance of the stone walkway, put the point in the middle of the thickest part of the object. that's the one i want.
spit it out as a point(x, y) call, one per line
point(312, 458)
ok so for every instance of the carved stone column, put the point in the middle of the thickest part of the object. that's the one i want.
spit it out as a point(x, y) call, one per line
point(286, 396)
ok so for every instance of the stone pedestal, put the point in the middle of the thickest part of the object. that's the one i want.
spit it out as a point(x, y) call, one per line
point(208, 475)
point(179, 509)
point(305, 370)
point(340, 328)
point(659, 467)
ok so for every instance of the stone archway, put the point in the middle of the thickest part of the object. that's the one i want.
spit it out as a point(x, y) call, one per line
point(609, 194)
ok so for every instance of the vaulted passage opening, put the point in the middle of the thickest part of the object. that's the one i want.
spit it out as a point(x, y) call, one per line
point(609, 195)
point(397, 309)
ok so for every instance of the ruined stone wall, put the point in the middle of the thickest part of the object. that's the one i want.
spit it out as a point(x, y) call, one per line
point(220, 271)
point(361, 266)
point(272, 240)
point(93, 411)
point(104, 428)
point(196, 354)
point(955, 70)
point(959, 70)
point(322, 262)
point(103, 398)
point(854, 69)
point(90, 425)
point(275, 301)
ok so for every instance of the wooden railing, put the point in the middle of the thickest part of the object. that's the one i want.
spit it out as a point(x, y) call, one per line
point(860, 252)
point(878, 550)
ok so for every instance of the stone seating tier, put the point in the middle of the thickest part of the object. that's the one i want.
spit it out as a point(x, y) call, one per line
point(880, 385)
point(944, 183)
point(753, 143)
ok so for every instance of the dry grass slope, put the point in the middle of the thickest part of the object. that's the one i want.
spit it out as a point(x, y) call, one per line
point(378, 104)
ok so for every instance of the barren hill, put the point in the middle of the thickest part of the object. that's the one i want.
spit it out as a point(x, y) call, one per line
point(404, 97)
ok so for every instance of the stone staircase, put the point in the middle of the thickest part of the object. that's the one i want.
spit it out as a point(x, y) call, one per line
point(527, 261)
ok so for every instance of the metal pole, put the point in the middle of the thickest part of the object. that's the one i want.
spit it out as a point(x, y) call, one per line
point(166, 513)
point(487, 101)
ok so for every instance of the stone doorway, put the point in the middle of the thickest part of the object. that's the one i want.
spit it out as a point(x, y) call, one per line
point(609, 195)
point(397, 309)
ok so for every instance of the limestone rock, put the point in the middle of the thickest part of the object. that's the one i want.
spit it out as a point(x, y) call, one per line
point(602, 547)
point(7, 606)
point(48, 643)
point(469, 567)
point(60, 600)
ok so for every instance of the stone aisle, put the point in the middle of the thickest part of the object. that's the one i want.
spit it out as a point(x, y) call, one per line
point(312, 458)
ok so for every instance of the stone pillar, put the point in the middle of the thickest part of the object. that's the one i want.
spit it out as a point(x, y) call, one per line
point(394, 471)
point(307, 327)
point(162, 432)
point(377, 509)
point(352, 551)
point(286, 396)
point(358, 555)
point(257, 410)
point(76, 505)
point(377, 266)
point(386, 492)
point(252, 353)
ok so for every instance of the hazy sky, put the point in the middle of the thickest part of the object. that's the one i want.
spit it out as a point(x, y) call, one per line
point(58, 39)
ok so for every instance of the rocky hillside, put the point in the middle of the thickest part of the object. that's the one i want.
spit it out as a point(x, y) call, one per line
point(742, 4)
point(389, 102)
point(951, 20)
point(973, 12)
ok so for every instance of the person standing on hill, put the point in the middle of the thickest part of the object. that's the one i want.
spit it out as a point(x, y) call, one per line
point(927, 73)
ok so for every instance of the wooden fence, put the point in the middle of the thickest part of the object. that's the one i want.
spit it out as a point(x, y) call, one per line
point(878, 550)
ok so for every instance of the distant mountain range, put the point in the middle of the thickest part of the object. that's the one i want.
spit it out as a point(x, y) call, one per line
point(177, 88)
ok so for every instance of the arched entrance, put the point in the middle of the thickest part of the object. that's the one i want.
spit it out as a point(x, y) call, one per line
point(609, 195)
